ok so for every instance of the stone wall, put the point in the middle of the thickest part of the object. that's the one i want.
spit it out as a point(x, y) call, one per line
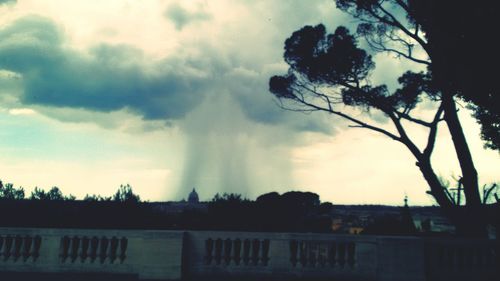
point(209, 255)
point(279, 256)
point(146, 254)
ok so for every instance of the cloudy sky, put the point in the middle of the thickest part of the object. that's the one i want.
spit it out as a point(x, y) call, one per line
point(171, 95)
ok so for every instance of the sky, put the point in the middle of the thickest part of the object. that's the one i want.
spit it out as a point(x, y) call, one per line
point(171, 95)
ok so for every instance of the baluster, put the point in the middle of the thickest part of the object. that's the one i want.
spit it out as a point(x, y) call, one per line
point(303, 248)
point(460, 258)
point(218, 251)
point(18, 243)
point(351, 250)
point(312, 253)
point(75, 246)
point(332, 253)
point(28, 241)
point(37, 243)
point(341, 252)
point(439, 257)
point(265, 251)
point(113, 249)
point(293, 252)
point(227, 251)
point(450, 258)
point(123, 249)
point(8, 247)
point(237, 251)
point(479, 258)
point(85, 248)
point(64, 248)
point(103, 250)
point(489, 256)
point(469, 257)
point(255, 251)
point(495, 259)
point(209, 246)
point(322, 254)
point(94, 244)
point(246, 251)
point(1, 245)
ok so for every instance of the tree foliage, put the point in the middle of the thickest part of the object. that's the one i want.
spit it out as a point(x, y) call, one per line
point(329, 72)
point(9, 192)
point(455, 37)
point(125, 194)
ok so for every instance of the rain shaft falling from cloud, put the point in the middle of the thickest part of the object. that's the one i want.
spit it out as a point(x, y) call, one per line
point(225, 152)
point(237, 139)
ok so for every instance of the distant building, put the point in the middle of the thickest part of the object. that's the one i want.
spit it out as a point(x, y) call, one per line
point(435, 223)
point(192, 203)
point(407, 223)
point(193, 197)
point(355, 230)
point(336, 224)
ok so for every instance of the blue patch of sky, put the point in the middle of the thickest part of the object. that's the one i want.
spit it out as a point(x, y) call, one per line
point(33, 136)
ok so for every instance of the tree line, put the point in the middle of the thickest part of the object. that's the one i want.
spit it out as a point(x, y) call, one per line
point(9, 192)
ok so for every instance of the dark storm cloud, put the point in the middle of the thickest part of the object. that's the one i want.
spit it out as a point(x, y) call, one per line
point(182, 17)
point(112, 77)
point(250, 90)
point(107, 78)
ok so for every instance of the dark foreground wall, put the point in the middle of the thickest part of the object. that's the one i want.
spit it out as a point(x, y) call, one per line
point(37, 276)
point(96, 254)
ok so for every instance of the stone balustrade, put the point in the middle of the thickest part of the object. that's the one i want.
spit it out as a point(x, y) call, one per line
point(145, 254)
point(19, 248)
point(210, 255)
point(90, 249)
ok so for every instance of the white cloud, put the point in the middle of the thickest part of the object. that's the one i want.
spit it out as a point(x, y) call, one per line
point(21, 111)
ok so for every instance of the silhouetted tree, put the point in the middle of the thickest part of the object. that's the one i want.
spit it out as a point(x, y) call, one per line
point(9, 192)
point(463, 59)
point(94, 198)
point(329, 70)
point(292, 211)
point(125, 194)
point(229, 211)
point(54, 194)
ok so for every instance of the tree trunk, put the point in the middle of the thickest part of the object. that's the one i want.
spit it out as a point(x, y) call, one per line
point(471, 218)
point(437, 189)
point(469, 173)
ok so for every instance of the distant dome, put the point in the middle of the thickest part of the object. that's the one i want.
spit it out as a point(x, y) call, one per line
point(193, 197)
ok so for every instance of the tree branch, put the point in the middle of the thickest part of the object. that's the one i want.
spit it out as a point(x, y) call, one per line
point(412, 119)
point(431, 140)
point(404, 137)
point(395, 22)
point(403, 5)
point(358, 122)
point(408, 56)
point(487, 194)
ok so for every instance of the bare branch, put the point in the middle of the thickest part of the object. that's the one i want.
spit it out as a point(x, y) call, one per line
point(412, 119)
point(404, 136)
point(381, 46)
point(399, 25)
point(408, 56)
point(487, 194)
point(431, 139)
point(450, 197)
point(352, 119)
